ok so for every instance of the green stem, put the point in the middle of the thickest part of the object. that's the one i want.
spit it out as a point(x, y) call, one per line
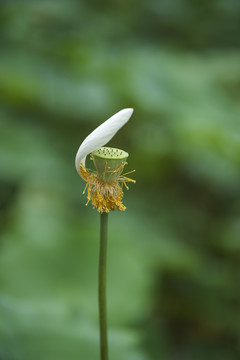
point(102, 286)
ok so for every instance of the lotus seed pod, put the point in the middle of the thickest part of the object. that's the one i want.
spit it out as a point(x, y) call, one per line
point(109, 163)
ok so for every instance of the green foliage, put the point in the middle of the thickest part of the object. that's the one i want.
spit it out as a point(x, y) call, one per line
point(173, 269)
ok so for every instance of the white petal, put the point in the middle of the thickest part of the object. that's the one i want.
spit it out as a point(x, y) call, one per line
point(101, 135)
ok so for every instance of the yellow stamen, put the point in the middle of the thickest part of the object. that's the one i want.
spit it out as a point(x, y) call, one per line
point(105, 196)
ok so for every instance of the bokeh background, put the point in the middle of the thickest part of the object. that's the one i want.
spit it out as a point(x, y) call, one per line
point(174, 255)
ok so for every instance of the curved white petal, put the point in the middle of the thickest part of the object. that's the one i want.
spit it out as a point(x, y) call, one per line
point(101, 136)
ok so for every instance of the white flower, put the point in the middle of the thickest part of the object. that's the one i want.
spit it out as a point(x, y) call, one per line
point(101, 136)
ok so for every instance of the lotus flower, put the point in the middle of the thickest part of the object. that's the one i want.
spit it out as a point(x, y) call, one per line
point(104, 186)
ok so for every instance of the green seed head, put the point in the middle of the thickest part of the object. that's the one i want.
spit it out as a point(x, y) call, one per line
point(108, 162)
point(108, 153)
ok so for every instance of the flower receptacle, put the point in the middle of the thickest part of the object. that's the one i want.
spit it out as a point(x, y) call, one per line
point(109, 163)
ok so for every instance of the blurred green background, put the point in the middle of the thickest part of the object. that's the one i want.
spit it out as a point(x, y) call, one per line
point(174, 255)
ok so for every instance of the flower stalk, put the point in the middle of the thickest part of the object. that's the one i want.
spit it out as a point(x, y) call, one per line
point(102, 276)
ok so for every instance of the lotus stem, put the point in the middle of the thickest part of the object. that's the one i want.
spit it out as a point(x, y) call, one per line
point(102, 300)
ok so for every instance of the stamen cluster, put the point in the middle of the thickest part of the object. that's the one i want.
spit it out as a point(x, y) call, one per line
point(106, 196)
